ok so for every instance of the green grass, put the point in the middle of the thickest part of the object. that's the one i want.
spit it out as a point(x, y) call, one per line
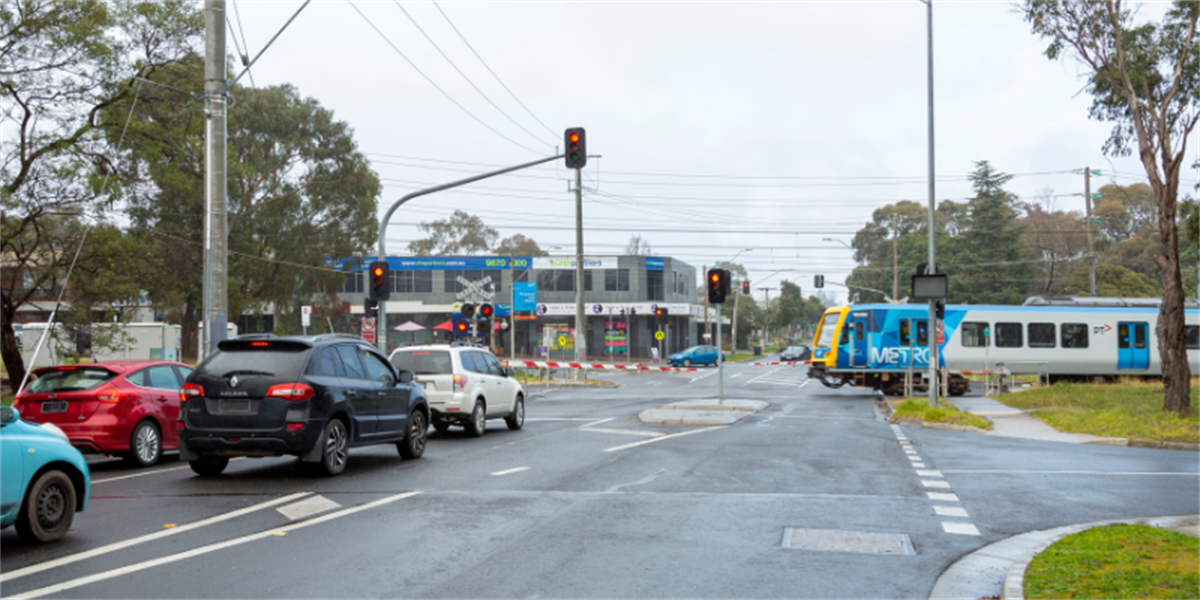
point(919, 409)
point(1117, 561)
point(1130, 409)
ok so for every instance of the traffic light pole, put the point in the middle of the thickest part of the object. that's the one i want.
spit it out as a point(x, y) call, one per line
point(381, 321)
point(720, 361)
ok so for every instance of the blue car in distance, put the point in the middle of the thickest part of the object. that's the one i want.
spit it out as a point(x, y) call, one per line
point(696, 355)
point(44, 480)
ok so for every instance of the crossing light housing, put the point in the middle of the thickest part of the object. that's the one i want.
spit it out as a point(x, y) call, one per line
point(661, 314)
point(468, 310)
point(818, 281)
point(575, 143)
point(378, 274)
point(718, 285)
point(486, 311)
point(745, 288)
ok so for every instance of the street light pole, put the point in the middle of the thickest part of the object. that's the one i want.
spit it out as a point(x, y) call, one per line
point(933, 343)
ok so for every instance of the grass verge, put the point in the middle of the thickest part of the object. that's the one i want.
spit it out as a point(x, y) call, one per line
point(1129, 409)
point(919, 409)
point(1117, 561)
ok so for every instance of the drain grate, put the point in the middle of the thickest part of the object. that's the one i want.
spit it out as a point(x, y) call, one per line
point(858, 542)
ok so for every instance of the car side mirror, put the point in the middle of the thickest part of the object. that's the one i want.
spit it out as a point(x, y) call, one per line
point(510, 372)
point(406, 376)
point(8, 415)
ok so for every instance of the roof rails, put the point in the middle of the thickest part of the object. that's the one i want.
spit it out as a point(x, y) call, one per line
point(342, 336)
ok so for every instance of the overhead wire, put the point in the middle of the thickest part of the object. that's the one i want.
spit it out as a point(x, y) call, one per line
point(245, 55)
point(435, 85)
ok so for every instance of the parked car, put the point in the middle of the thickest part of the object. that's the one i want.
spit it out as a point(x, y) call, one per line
point(314, 397)
point(795, 353)
point(466, 385)
point(44, 480)
point(122, 407)
point(696, 355)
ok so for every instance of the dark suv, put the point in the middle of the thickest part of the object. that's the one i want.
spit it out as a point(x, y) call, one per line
point(313, 396)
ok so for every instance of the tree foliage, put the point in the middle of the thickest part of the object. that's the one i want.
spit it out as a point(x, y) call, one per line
point(519, 245)
point(1145, 79)
point(458, 234)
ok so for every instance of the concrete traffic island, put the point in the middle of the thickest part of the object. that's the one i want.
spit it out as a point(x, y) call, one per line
point(702, 412)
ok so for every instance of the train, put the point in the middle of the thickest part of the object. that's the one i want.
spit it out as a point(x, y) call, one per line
point(885, 347)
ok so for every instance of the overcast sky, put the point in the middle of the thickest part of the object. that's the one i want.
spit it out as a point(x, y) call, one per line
point(722, 126)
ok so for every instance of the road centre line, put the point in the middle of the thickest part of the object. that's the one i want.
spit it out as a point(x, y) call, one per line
point(596, 422)
point(82, 581)
point(510, 471)
point(58, 562)
point(623, 431)
point(1031, 472)
point(665, 437)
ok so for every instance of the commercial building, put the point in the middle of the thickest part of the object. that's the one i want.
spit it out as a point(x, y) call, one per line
point(620, 296)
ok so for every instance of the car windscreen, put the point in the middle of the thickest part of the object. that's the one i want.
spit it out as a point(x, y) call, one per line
point(795, 350)
point(69, 380)
point(281, 360)
point(424, 362)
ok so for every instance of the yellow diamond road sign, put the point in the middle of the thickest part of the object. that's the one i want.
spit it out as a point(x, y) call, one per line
point(658, 335)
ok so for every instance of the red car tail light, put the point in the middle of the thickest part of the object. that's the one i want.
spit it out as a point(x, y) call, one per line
point(109, 393)
point(190, 390)
point(460, 383)
point(295, 392)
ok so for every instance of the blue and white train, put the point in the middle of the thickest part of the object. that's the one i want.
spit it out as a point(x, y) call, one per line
point(877, 345)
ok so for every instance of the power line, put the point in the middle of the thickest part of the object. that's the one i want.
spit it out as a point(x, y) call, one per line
point(464, 75)
point(436, 86)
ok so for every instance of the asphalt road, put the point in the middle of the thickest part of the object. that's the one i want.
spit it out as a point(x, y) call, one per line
point(587, 501)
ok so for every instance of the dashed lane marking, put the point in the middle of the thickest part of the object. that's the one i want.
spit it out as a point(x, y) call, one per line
point(510, 471)
point(950, 511)
point(58, 562)
point(163, 560)
point(145, 473)
point(942, 496)
point(623, 431)
point(959, 528)
point(665, 437)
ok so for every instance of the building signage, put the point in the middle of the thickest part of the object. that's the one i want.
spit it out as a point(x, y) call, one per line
point(565, 262)
point(433, 263)
point(655, 264)
point(525, 295)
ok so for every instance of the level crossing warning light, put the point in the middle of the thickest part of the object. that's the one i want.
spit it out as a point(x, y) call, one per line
point(468, 310)
point(746, 288)
point(486, 310)
point(575, 142)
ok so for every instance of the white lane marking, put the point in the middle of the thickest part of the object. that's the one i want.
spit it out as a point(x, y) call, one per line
point(307, 508)
point(959, 528)
point(665, 437)
point(82, 581)
point(950, 511)
point(58, 562)
point(935, 484)
point(919, 465)
point(806, 382)
point(929, 473)
point(623, 431)
point(736, 375)
point(560, 419)
point(695, 379)
point(654, 383)
point(510, 471)
point(1021, 472)
point(596, 422)
point(145, 473)
point(941, 497)
point(767, 374)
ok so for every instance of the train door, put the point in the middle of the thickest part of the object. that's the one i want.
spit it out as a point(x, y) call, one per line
point(860, 350)
point(1133, 350)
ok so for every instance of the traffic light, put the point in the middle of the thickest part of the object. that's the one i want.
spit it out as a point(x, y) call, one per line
point(575, 142)
point(468, 310)
point(818, 281)
point(661, 314)
point(461, 326)
point(718, 285)
point(379, 288)
point(940, 311)
point(486, 311)
point(746, 288)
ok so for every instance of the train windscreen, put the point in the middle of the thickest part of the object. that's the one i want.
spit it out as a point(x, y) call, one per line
point(825, 341)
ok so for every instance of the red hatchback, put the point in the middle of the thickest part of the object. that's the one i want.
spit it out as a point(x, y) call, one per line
point(125, 407)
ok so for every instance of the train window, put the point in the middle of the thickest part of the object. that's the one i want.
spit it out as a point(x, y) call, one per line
point(858, 331)
point(1008, 335)
point(1074, 335)
point(828, 327)
point(1041, 335)
point(1139, 335)
point(1192, 333)
point(972, 335)
point(905, 333)
point(922, 333)
point(1123, 335)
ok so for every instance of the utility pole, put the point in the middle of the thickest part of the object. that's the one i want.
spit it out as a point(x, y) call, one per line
point(766, 320)
point(216, 231)
point(895, 263)
point(1087, 198)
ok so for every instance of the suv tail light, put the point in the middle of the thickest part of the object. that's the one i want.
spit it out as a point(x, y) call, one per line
point(190, 390)
point(291, 391)
point(460, 383)
point(109, 393)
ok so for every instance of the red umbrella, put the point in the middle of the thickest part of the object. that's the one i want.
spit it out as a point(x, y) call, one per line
point(447, 326)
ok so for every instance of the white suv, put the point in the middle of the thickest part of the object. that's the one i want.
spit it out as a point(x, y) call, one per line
point(465, 386)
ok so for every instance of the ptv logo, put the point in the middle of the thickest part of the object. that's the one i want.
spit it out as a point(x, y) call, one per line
point(1102, 329)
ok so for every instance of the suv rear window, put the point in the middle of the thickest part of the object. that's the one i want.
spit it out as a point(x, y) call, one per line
point(280, 359)
point(69, 380)
point(424, 362)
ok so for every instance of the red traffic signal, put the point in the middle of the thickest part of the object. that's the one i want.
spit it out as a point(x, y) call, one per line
point(486, 310)
point(461, 327)
point(746, 288)
point(661, 314)
point(718, 285)
point(378, 274)
point(576, 147)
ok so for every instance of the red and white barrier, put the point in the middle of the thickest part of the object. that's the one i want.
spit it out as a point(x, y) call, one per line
point(789, 362)
point(539, 364)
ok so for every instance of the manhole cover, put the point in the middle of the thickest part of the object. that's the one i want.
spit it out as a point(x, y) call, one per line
point(858, 542)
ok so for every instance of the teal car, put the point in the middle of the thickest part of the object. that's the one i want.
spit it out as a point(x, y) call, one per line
point(44, 480)
point(696, 355)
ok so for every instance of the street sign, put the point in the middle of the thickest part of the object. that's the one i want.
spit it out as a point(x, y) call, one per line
point(474, 290)
point(660, 336)
point(368, 324)
point(305, 316)
point(369, 336)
